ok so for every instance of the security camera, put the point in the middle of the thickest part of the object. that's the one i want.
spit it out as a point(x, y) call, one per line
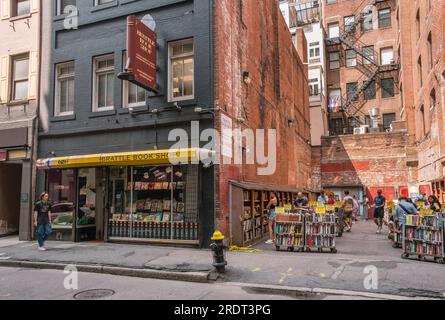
point(131, 110)
point(178, 107)
point(198, 109)
point(154, 111)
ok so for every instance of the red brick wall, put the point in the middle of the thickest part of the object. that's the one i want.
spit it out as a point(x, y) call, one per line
point(372, 161)
point(252, 36)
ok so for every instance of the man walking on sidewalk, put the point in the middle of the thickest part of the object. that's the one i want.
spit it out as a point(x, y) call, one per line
point(379, 212)
point(42, 220)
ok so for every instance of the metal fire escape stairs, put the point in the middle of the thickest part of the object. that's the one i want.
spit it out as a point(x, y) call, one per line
point(372, 71)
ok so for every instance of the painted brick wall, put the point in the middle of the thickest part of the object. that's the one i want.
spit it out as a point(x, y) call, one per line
point(252, 36)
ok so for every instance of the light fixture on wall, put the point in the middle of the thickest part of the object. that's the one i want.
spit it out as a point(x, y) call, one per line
point(246, 77)
point(290, 123)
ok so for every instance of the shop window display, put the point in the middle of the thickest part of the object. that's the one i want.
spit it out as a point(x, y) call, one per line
point(149, 202)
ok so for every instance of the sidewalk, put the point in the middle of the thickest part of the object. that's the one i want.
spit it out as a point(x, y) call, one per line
point(264, 269)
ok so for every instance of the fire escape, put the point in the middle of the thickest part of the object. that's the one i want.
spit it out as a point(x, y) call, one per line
point(372, 71)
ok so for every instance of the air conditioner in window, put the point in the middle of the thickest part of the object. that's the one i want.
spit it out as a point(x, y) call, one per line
point(361, 130)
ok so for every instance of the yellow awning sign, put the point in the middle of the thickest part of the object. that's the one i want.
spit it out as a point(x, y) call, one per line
point(153, 157)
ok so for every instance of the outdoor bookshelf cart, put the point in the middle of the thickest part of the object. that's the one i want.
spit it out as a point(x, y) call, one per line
point(423, 236)
point(320, 231)
point(289, 230)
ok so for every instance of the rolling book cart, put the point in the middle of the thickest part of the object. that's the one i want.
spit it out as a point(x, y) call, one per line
point(422, 236)
point(320, 230)
point(289, 230)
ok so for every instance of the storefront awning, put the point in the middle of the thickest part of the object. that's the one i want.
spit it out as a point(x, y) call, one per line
point(153, 157)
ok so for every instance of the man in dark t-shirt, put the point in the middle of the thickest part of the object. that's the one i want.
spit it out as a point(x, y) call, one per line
point(301, 201)
point(379, 212)
point(42, 220)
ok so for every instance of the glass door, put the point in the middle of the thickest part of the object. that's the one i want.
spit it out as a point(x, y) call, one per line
point(118, 215)
point(86, 205)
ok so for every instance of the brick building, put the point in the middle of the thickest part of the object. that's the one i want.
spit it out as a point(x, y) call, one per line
point(275, 97)
point(421, 43)
point(369, 146)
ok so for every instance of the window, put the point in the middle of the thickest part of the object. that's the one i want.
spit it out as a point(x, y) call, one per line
point(103, 83)
point(335, 101)
point(370, 91)
point(385, 18)
point(432, 99)
point(420, 71)
point(132, 95)
point(430, 52)
point(334, 30)
point(314, 89)
point(314, 52)
point(368, 121)
point(21, 7)
point(64, 100)
point(62, 4)
point(99, 2)
point(334, 60)
point(352, 91)
point(388, 118)
point(367, 21)
point(349, 22)
point(351, 58)
point(386, 56)
point(331, 1)
point(387, 88)
point(181, 70)
point(336, 127)
point(368, 55)
point(20, 71)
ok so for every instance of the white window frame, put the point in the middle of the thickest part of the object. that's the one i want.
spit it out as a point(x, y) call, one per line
point(386, 56)
point(171, 98)
point(333, 30)
point(57, 79)
point(14, 12)
point(13, 80)
point(96, 73)
point(96, 2)
point(125, 85)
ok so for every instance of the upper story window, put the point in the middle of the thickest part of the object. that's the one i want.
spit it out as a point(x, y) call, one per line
point(103, 90)
point(351, 58)
point(314, 52)
point(387, 87)
point(99, 2)
point(334, 30)
point(385, 18)
point(19, 81)
point(181, 70)
point(349, 22)
point(367, 20)
point(334, 60)
point(368, 55)
point(331, 1)
point(62, 4)
point(386, 56)
point(20, 8)
point(64, 99)
point(132, 95)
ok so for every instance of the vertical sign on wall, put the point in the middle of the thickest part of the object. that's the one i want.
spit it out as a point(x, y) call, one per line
point(141, 54)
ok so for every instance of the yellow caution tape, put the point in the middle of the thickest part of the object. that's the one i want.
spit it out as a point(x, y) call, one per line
point(243, 249)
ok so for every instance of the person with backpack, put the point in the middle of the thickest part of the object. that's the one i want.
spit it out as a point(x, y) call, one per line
point(379, 212)
point(403, 208)
point(348, 208)
point(42, 220)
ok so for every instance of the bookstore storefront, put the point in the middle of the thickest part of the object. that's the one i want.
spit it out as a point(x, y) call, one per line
point(138, 196)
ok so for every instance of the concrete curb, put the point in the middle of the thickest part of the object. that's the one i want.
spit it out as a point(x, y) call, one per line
point(201, 277)
point(314, 291)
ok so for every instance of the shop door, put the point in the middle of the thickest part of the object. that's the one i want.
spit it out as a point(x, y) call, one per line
point(116, 203)
point(85, 213)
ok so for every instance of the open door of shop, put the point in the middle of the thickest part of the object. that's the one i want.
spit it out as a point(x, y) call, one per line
point(10, 197)
point(85, 215)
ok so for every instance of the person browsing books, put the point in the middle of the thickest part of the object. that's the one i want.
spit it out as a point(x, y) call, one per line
point(403, 208)
point(301, 201)
point(434, 204)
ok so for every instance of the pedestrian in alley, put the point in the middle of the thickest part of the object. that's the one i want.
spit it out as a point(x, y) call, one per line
point(301, 201)
point(271, 216)
point(434, 204)
point(321, 198)
point(379, 212)
point(365, 204)
point(356, 207)
point(331, 199)
point(348, 208)
point(403, 208)
point(42, 220)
